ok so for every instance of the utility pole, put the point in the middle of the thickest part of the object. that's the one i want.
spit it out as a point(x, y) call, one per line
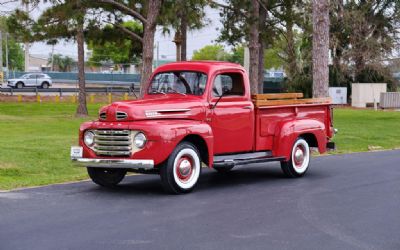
point(7, 52)
point(246, 60)
point(1, 60)
point(52, 57)
point(158, 54)
point(1, 51)
point(27, 44)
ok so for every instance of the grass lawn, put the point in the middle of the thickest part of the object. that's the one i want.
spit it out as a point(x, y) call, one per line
point(363, 130)
point(35, 140)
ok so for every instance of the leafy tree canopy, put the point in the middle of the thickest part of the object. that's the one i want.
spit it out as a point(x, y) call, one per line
point(108, 45)
point(211, 52)
point(15, 50)
point(62, 63)
point(172, 12)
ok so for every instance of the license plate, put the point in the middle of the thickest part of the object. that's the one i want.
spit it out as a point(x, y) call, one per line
point(76, 152)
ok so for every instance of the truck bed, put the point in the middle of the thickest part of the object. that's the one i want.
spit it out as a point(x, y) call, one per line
point(271, 110)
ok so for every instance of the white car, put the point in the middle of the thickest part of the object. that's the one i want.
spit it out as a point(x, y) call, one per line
point(39, 80)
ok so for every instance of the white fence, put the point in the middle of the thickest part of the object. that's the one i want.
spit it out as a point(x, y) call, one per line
point(390, 100)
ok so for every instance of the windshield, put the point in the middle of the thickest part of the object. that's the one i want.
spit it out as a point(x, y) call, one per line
point(180, 82)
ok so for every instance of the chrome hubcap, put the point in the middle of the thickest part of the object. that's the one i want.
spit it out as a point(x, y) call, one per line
point(185, 168)
point(299, 156)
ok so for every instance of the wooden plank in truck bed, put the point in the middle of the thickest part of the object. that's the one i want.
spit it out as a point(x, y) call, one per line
point(277, 96)
point(262, 103)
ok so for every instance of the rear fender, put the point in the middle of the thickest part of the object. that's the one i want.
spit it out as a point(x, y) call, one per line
point(288, 131)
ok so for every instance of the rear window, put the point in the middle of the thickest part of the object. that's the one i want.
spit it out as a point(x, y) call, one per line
point(228, 84)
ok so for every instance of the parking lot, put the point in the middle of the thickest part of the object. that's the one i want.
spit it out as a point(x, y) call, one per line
point(345, 202)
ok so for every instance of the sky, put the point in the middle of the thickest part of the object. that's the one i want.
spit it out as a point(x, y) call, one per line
point(196, 39)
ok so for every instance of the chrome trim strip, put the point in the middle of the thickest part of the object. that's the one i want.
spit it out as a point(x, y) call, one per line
point(170, 110)
point(114, 163)
point(165, 112)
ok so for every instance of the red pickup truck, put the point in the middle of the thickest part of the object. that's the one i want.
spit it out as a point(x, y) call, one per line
point(195, 113)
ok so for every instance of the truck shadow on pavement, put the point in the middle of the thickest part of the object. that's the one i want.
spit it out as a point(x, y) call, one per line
point(210, 180)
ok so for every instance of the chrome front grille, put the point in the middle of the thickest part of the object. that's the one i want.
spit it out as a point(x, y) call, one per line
point(121, 115)
point(112, 142)
point(103, 116)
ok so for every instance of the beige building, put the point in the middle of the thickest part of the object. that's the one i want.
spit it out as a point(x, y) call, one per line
point(38, 63)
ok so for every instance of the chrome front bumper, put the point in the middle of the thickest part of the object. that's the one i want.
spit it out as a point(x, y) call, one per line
point(114, 163)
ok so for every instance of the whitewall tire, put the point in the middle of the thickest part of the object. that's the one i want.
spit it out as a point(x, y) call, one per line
point(181, 172)
point(299, 161)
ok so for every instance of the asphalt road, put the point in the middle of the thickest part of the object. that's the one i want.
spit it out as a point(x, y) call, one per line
point(344, 202)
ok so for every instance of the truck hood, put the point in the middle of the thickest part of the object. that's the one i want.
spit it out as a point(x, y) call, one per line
point(158, 107)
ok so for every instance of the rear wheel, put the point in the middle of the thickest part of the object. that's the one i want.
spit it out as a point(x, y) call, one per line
point(106, 177)
point(45, 85)
point(180, 173)
point(299, 160)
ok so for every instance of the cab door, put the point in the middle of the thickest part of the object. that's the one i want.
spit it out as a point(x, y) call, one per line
point(232, 118)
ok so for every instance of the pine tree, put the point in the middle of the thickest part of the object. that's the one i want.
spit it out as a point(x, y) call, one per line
point(182, 16)
point(68, 20)
point(320, 48)
point(246, 21)
point(145, 12)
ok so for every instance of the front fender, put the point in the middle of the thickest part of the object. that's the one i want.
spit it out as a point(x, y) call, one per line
point(169, 133)
point(288, 131)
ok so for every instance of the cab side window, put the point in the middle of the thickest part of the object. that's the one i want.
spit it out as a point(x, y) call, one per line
point(228, 84)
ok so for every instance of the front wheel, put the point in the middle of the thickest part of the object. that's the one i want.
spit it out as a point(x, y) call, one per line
point(299, 160)
point(106, 177)
point(181, 171)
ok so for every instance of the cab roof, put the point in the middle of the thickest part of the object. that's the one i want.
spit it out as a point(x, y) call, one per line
point(203, 66)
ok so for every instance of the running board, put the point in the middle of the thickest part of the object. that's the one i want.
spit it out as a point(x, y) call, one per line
point(236, 162)
point(242, 156)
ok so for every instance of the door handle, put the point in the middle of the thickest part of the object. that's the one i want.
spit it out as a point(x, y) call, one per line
point(247, 107)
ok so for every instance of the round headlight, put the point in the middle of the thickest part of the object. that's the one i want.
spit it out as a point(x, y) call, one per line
point(139, 140)
point(88, 138)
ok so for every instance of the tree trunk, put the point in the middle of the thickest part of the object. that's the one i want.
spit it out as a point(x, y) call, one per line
point(82, 108)
point(178, 45)
point(336, 48)
point(183, 31)
point(291, 49)
point(261, 67)
point(254, 48)
point(153, 10)
point(320, 48)
point(262, 21)
point(359, 66)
